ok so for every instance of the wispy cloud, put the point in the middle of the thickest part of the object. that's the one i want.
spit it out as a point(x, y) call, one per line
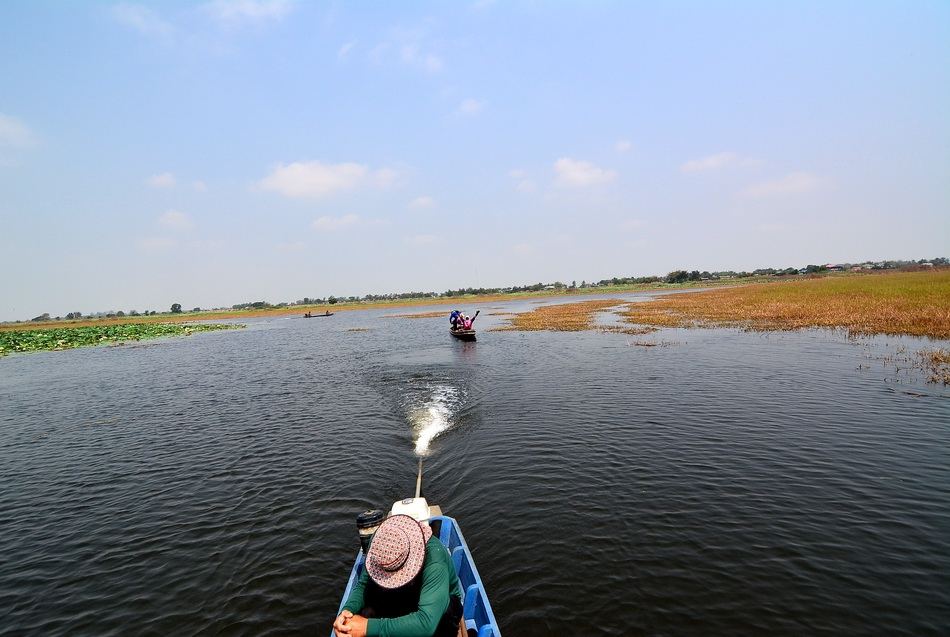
point(623, 146)
point(522, 183)
point(231, 12)
point(142, 19)
point(410, 47)
point(199, 186)
point(419, 203)
point(471, 106)
point(717, 161)
point(384, 177)
point(330, 224)
point(14, 133)
point(161, 180)
point(176, 220)
point(791, 184)
point(344, 50)
point(578, 174)
point(316, 179)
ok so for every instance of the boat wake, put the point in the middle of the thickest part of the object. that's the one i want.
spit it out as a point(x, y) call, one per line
point(433, 416)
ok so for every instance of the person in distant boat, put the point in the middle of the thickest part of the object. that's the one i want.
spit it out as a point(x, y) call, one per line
point(454, 319)
point(307, 315)
point(328, 313)
point(408, 587)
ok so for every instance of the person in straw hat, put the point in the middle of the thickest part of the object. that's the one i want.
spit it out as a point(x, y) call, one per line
point(408, 587)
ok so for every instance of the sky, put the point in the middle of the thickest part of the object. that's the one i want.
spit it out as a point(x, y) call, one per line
point(214, 153)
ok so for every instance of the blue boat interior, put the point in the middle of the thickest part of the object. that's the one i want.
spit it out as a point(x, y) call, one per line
point(475, 607)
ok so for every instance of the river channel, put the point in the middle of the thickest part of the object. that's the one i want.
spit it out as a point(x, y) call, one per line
point(719, 482)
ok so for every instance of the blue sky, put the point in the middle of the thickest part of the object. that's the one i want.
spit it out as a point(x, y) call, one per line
point(222, 152)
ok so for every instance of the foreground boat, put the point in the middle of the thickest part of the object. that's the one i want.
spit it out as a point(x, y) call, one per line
point(476, 611)
point(463, 335)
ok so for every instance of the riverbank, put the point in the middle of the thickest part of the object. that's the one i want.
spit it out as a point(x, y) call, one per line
point(465, 300)
point(899, 303)
point(20, 341)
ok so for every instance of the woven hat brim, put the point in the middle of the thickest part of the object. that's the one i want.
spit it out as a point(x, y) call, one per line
point(417, 535)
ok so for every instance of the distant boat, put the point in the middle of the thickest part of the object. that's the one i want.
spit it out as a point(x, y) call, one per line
point(463, 335)
point(309, 315)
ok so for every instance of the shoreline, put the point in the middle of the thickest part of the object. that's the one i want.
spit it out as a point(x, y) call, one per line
point(210, 315)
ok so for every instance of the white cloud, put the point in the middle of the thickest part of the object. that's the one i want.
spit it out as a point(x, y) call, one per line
point(14, 133)
point(234, 11)
point(623, 146)
point(199, 186)
point(717, 161)
point(315, 179)
point(175, 220)
point(791, 184)
point(424, 201)
point(471, 106)
point(142, 19)
point(410, 47)
point(162, 180)
point(523, 183)
point(432, 63)
point(345, 50)
point(577, 173)
point(423, 239)
point(329, 224)
point(384, 177)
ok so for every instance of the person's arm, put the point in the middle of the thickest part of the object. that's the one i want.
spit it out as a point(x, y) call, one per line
point(354, 603)
point(433, 602)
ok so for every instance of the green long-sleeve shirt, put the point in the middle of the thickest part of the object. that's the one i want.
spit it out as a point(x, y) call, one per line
point(439, 581)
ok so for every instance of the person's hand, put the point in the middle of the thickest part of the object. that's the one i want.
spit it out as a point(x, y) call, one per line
point(357, 626)
point(340, 628)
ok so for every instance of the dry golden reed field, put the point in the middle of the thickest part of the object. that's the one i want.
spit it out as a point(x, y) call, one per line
point(565, 317)
point(901, 303)
point(912, 303)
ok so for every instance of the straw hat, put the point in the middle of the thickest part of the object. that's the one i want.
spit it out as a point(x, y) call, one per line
point(399, 547)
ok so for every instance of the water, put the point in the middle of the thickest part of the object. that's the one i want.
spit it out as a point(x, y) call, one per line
point(726, 483)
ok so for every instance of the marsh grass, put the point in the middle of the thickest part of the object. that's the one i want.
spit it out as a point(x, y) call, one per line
point(565, 317)
point(936, 364)
point(913, 303)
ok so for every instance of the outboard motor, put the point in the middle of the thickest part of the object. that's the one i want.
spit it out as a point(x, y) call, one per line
point(366, 523)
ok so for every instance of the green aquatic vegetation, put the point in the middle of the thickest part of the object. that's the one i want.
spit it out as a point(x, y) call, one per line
point(38, 340)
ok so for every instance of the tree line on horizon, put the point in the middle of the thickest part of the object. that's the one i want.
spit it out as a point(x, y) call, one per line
point(674, 277)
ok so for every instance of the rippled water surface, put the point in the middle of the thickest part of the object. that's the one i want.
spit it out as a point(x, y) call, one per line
point(721, 483)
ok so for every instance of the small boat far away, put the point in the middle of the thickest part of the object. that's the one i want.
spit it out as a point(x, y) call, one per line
point(309, 315)
point(463, 335)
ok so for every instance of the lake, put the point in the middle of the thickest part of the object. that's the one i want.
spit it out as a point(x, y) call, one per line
point(719, 483)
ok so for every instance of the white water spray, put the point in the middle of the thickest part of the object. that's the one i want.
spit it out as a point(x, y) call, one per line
point(433, 417)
